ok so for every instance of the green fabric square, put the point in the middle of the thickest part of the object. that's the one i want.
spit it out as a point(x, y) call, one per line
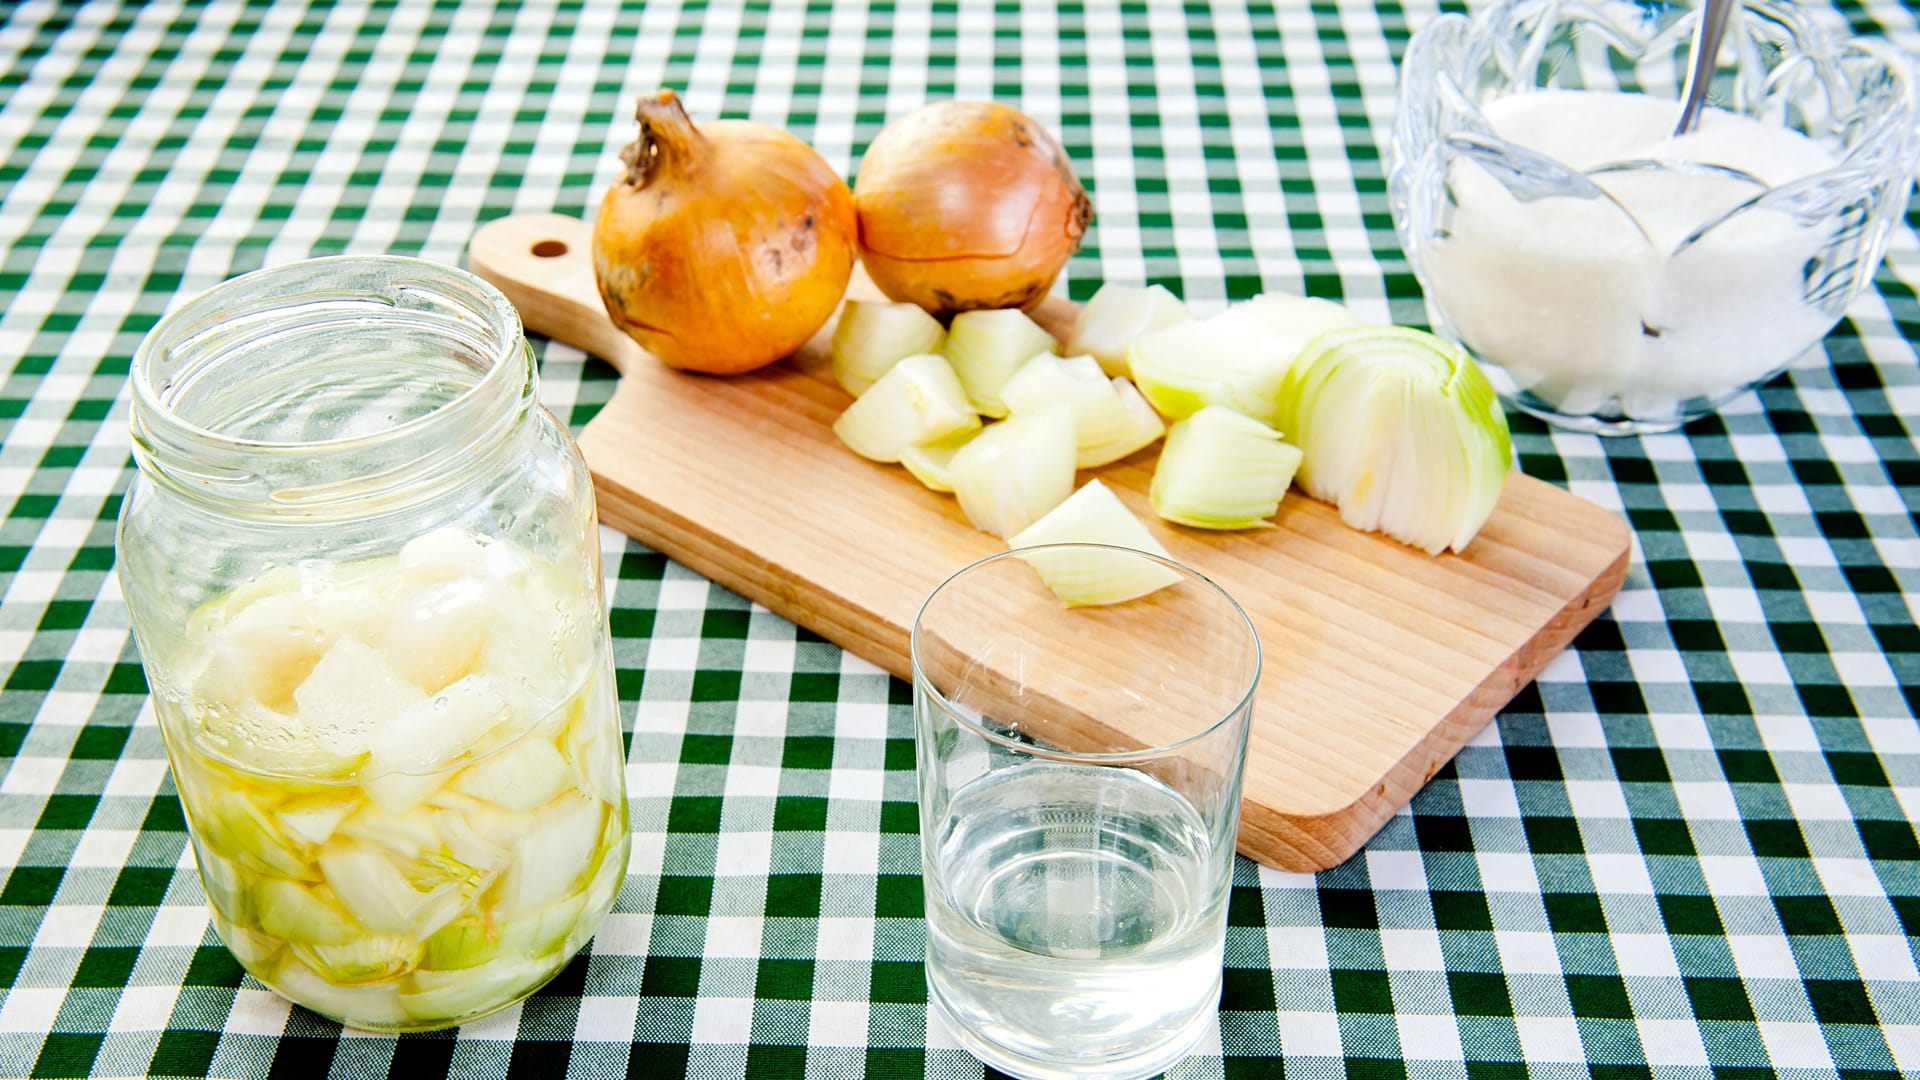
point(1748, 767)
point(1574, 913)
point(1857, 769)
point(1461, 911)
point(67, 1054)
point(1809, 915)
point(11, 957)
point(706, 749)
point(793, 896)
point(694, 814)
point(1662, 836)
point(1248, 989)
point(900, 755)
point(683, 894)
point(716, 686)
point(1891, 841)
point(1840, 1001)
point(769, 1062)
point(1634, 765)
point(100, 742)
point(1362, 992)
point(67, 812)
point(164, 816)
point(630, 622)
point(724, 624)
point(670, 977)
point(1478, 994)
point(795, 813)
point(899, 817)
point(1553, 835)
point(32, 675)
point(126, 679)
point(815, 686)
point(184, 1053)
point(65, 615)
point(888, 1063)
point(899, 896)
point(1776, 839)
point(105, 966)
point(31, 886)
point(1600, 996)
point(1348, 909)
point(784, 980)
point(11, 736)
point(1690, 915)
point(807, 752)
point(1719, 999)
point(213, 965)
point(900, 981)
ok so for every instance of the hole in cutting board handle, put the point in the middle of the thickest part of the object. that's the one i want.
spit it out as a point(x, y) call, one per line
point(549, 249)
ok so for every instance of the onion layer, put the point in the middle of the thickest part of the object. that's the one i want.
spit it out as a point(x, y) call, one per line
point(966, 205)
point(721, 248)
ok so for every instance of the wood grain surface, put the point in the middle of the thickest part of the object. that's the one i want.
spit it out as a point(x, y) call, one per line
point(1380, 662)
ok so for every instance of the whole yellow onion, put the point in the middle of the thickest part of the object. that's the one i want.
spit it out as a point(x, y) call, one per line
point(723, 247)
point(968, 204)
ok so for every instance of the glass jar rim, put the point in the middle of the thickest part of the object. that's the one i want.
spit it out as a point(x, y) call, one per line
point(1207, 730)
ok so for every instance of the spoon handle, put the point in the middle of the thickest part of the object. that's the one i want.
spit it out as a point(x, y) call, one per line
point(1705, 58)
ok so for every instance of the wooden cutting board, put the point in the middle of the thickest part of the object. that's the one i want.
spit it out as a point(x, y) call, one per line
point(1380, 661)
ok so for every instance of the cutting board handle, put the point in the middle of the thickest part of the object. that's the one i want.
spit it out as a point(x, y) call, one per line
point(544, 263)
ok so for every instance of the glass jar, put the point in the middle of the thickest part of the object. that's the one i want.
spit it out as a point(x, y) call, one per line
point(362, 566)
point(1609, 276)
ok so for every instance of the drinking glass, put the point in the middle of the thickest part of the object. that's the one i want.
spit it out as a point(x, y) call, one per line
point(1079, 781)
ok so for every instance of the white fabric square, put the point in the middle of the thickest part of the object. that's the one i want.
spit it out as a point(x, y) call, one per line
point(1597, 799)
point(1620, 874)
point(1681, 731)
point(31, 1009)
point(687, 593)
point(623, 933)
point(33, 776)
point(841, 938)
point(1863, 669)
point(768, 654)
point(136, 777)
point(752, 780)
point(1764, 668)
point(1817, 802)
point(743, 854)
point(837, 1023)
point(732, 935)
point(860, 720)
point(503, 1026)
point(1884, 957)
point(1528, 952)
point(723, 1021)
point(1412, 950)
point(1795, 1046)
point(258, 1012)
point(1507, 871)
point(606, 1018)
point(1706, 800)
point(1396, 870)
point(850, 853)
point(103, 847)
point(1763, 956)
point(1299, 947)
point(1657, 666)
point(673, 654)
point(1309, 1034)
point(1576, 729)
point(1489, 798)
point(1429, 1038)
point(1892, 735)
point(1671, 1042)
point(1904, 1041)
point(13, 842)
point(1550, 1038)
point(182, 924)
point(859, 785)
point(143, 1008)
point(68, 925)
point(1650, 955)
point(1787, 734)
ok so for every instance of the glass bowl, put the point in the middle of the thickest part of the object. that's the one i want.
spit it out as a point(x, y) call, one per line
point(1609, 277)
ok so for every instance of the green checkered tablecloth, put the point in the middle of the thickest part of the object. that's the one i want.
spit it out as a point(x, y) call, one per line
point(1687, 852)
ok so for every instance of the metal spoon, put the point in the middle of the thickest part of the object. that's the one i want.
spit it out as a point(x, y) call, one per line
point(1704, 59)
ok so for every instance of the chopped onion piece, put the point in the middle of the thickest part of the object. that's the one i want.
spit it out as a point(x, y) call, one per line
point(932, 463)
point(1115, 316)
point(1401, 431)
point(919, 400)
point(1074, 381)
point(873, 336)
point(1016, 470)
point(1222, 470)
point(371, 1003)
point(526, 775)
point(1236, 359)
point(987, 347)
point(1088, 576)
point(1142, 428)
point(448, 995)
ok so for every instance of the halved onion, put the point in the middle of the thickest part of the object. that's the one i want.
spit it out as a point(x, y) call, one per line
point(987, 347)
point(1082, 577)
point(1401, 431)
point(917, 401)
point(1016, 470)
point(873, 336)
point(1115, 316)
point(1222, 470)
point(1236, 359)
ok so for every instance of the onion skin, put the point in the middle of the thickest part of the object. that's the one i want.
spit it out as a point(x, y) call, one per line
point(966, 205)
point(722, 248)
